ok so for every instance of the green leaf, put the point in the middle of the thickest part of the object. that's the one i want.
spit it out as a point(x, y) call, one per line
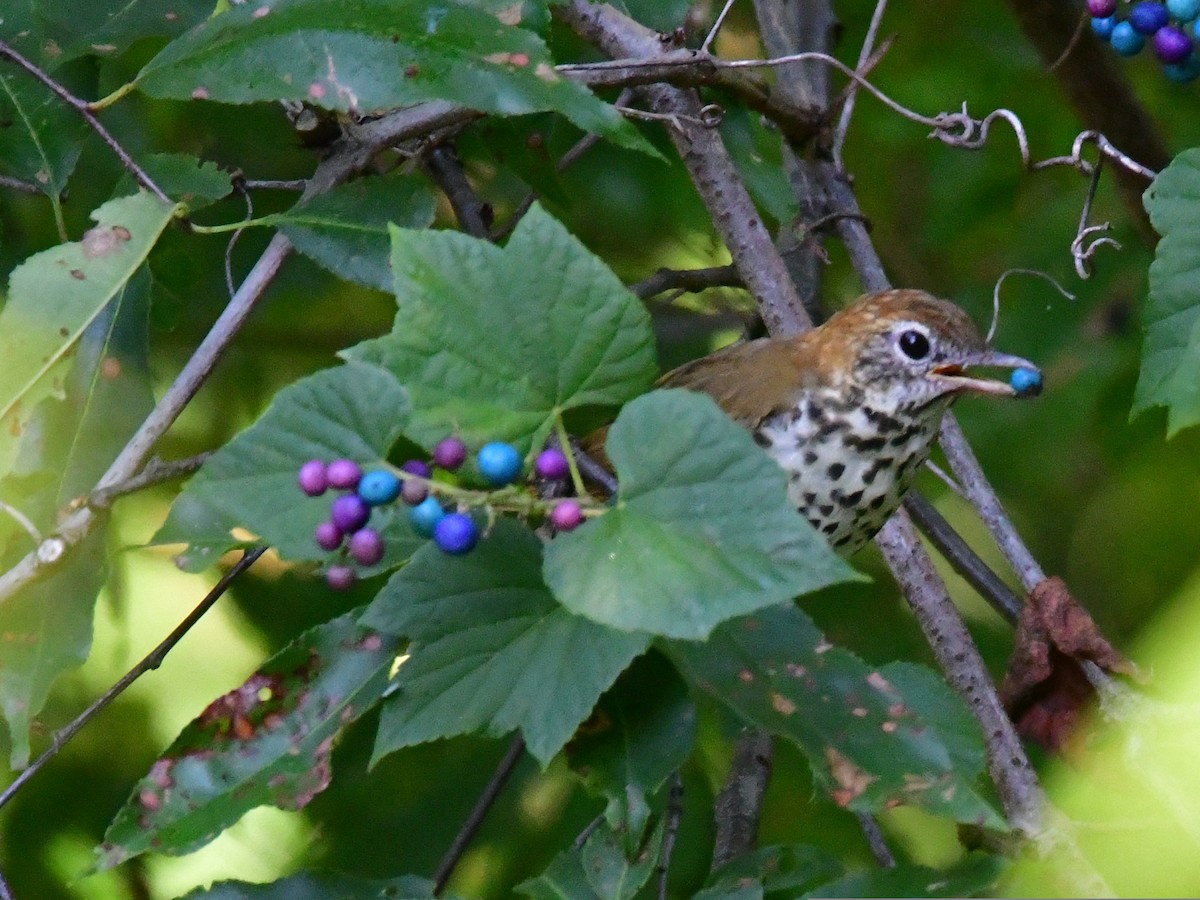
point(863, 737)
point(600, 870)
point(346, 229)
point(931, 698)
point(976, 876)
point(42, 143)
point(492, 651)
point(495, 342)
point(756, 150)
point(354, 411)
point(780, 869)
point(1170, 374)
point(47, 629)
point(54, 295)
point(194, 182)
point(702, 530)
point(266, 742)
point(365, 56)
point(320, 886)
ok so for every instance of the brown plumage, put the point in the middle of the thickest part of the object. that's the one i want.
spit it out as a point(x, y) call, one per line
point(850, 409)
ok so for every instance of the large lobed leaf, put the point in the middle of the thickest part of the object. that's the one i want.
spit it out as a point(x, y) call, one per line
point(1170, 373)
point(869, 742)
point(266, 742)
point(365, 56)
point(354, 411)
point(492, 652)
point(494, 343)
point(701, 531)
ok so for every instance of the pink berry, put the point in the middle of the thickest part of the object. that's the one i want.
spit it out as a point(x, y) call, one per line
point(328, 536)
point(312, 478)
point(552, 465)
point(340, 578)
point(343, 474)
point(1101, 9)
point(567, 515)
point(450, 453)
point(366, 546)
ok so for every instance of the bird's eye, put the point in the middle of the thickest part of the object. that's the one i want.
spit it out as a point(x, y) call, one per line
point(913, 344)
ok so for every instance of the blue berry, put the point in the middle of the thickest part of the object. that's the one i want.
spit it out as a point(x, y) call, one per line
point(1172, 45)
point(313, 478)
point(424, 516)
point(1125, 40)
point(1026, 382)
point(366, 546)
point(567, 515)
point(340, 578)
point(499, 463)
point(552, 465)
point(379, 487)
point(328, 536)
point(1148, 16)
point(349, 512)
point(450, 453)
point(1101, 9)
point(343, 474)
point(1103, 28)
point(1184, 10)
point(1182, 73)
point(456, 534)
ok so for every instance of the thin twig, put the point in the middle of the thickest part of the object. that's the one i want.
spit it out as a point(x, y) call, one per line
point(876, 840)
point(588, 830)
point(16, 184)
point(156, 471)
point(84, 109)
point(482, 806)
point(23, 520)
point(1037, 273)
point(240, 187)
point(473, 214)
point(1081, 254)
point(738, 805)
point(266, 184)
point(712, 34)
point(843, 125)
point(691, 280)
point(670, 832)
point(152, 661)
point(5, 891)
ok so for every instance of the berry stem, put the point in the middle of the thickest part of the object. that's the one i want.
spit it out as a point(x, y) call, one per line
point(565, 442)
point(510, 498)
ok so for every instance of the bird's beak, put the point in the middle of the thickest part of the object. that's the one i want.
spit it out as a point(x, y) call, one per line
point(954, 378)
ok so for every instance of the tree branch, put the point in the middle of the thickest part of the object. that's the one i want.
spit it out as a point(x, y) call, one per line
point(692, 280)
point(738, 805)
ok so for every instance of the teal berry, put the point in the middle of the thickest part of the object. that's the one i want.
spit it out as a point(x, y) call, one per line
point(379, 487)
point(1026, 382)
point(1103, 28)
point(425, 515)
point(499, 463)
point(456, 534)
point(1125, 40)
point(1184, 10)
point(1182, 73)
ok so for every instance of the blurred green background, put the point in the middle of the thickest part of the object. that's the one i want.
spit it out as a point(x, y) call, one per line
point(1107, 503)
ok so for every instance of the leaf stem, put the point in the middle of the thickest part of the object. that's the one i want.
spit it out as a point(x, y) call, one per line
point(564, 442)
point(119, 94)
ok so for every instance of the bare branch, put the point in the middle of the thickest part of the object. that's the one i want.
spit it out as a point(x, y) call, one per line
point(692, 280)
point(674, 815)
point(864, 56)
point(16, 184)
point(152, 661)
point(156, 471)
point(876, 840)
point(473, 214)
point(738, 805)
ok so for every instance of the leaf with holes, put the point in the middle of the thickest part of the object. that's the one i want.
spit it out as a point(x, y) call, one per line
point(492, 652)
point(494, 343)
point(366, 56)
point(265, 742)
point(701, 532)
point(864, 738)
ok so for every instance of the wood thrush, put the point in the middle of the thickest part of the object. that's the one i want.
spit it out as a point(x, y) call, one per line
point(850, 409)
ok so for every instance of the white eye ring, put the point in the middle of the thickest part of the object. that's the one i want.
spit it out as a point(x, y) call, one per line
point(912, 342)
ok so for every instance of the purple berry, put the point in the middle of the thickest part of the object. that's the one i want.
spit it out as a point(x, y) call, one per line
point(366, 546)
point(418, 468)
point(349, 512)
point(328, 536)
point(567, 515)
point(312, 478)
point(456, 534)
point(1172, 45)
point(1148, 16)
point(450, 453)
point(413, 492)
point(552, 465)
point(340, 578)
point(1101, 9)
point(343, 474)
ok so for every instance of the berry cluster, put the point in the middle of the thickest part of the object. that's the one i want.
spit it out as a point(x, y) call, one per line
point(1171, 26)
point(347, 530)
